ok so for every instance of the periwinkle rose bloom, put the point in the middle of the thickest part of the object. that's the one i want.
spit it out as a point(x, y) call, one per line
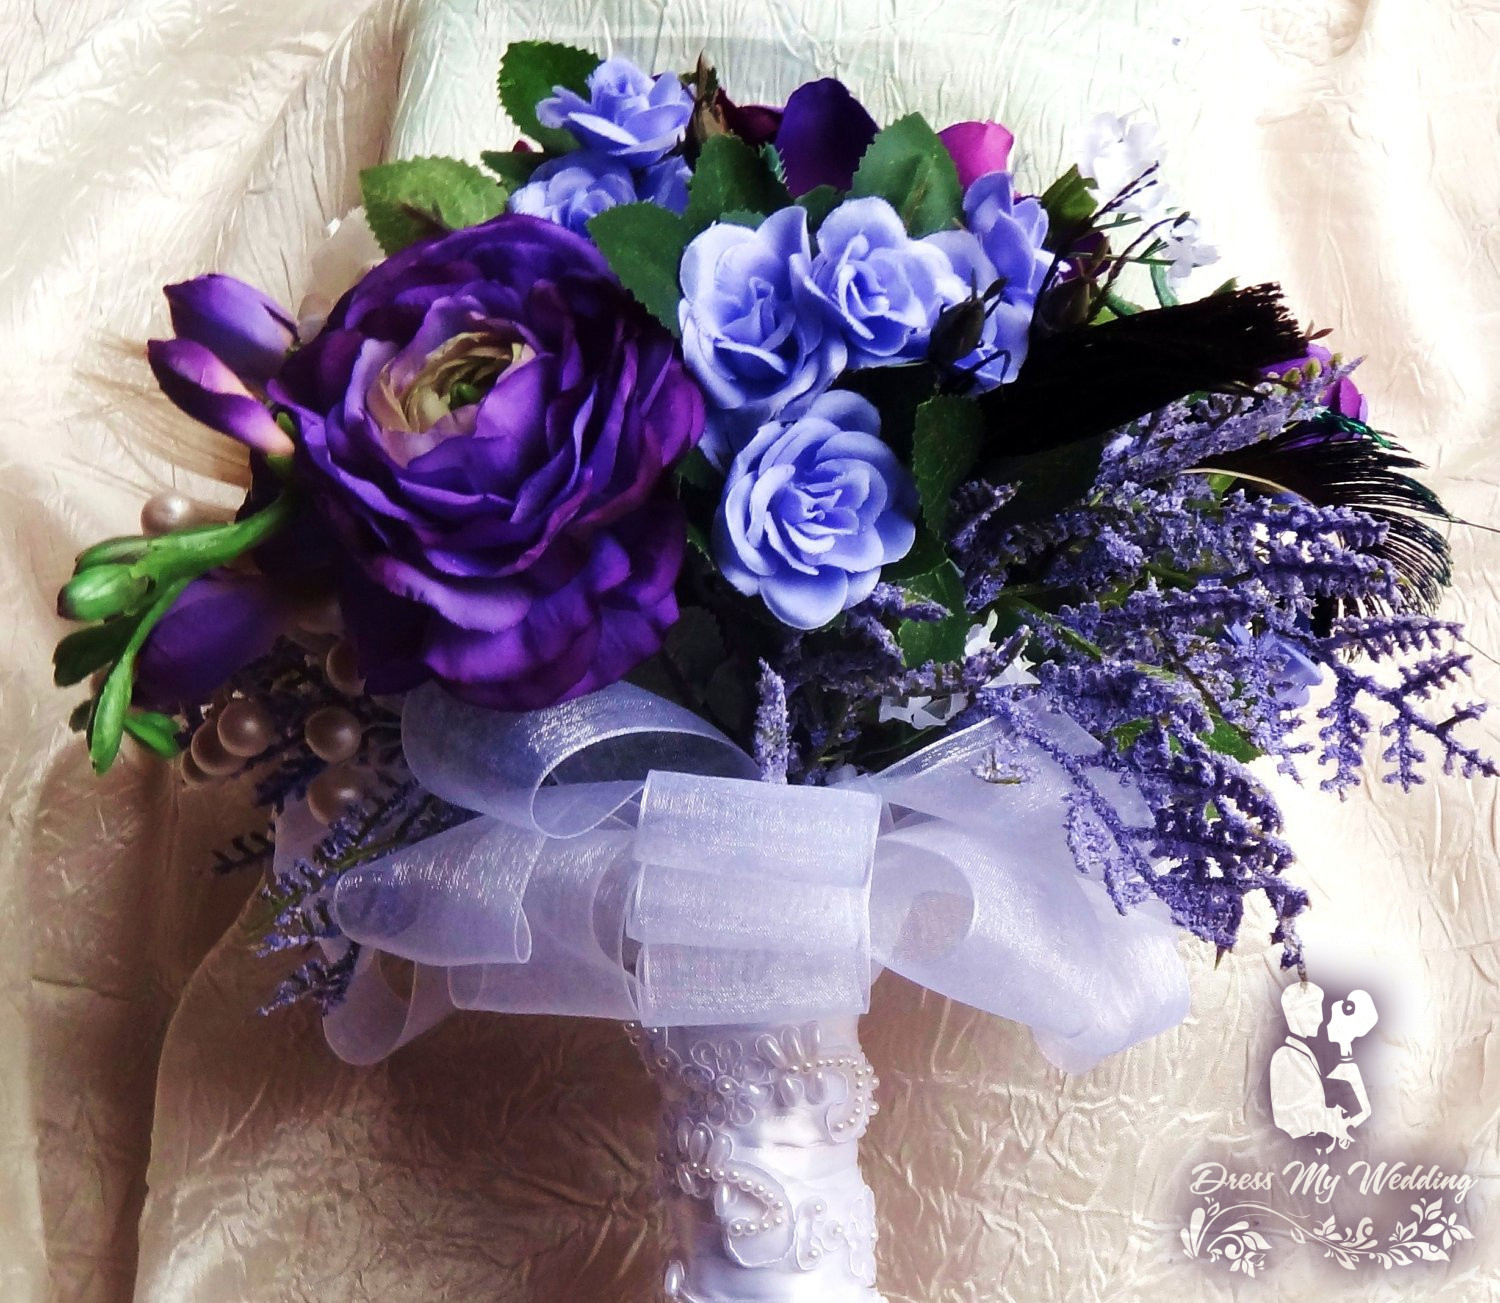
point(812, 509)
point(629, 115)
point(751, 337)
point(1003, 244)
point(485, 423)
point(575, 188)
point(882, 289)
point(666, 184)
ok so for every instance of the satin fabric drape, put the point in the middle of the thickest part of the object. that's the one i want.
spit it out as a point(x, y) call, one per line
point(158, 1141)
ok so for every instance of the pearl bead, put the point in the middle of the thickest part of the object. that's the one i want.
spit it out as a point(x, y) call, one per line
point(333, 733)
point(167, 511)
point(192, 772)
point(331, 794)
point(319, 614)
point(342, 669)
point(209, 754)
point(245, 728)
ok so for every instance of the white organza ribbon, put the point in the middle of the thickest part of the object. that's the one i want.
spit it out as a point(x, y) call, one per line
point(626, 863)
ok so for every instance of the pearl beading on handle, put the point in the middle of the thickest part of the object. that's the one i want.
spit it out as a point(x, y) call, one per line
point(759, 1161)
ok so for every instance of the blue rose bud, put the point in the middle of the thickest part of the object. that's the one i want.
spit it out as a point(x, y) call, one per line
point(247, 331)
point(575, 188)
point(811, 511)
point(882, 289)
point(751, 336)
point(628, 115)
point(199, 384)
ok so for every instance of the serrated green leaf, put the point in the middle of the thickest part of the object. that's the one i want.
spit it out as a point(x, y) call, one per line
point(926, 555)
point(695, 645)
point(819, 202)
point(695, 469)
point(1230, 741)
point(945, 443)
point(529, 73)
point(936, 640)
point(154, 731)
point(85, 650)
point(731, 177)
point(1048, 482)
point(908, 166)
point(1070, 204)
point(419, 198)
point(513, 166)
point(643, 245)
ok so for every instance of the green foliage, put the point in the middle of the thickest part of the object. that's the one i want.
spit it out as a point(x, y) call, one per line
point(154, 731)
point(1050, 481)
point(731, 178)
point(936, 640)
point(1070, 206)
point(908, 166)
point(513, 166)
point(819, 202)
point(945, 443)
point(419, 198)
point(643, 245)
point(529, 72)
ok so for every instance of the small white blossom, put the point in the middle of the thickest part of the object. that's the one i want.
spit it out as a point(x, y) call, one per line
point(1115, 153)
point(1186, 249)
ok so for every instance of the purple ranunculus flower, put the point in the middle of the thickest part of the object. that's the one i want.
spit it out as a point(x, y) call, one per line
point(882, 289)
point(752, 338)
point(823, 134)
point(629, 115)
point(574, 188)
point(486, 422)
point(977, 148)
point(812, 509)
point(1003, 246)
point(204, 387)
point(244, 329)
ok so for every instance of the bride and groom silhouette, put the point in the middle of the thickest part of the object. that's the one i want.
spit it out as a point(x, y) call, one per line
point(1301, 1102)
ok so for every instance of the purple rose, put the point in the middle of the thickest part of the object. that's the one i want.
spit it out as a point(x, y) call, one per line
point(486, 422)
point(811, 510)
point(752, 338)
point(824, 132)
point(882, 289)
point(977, 148)
point(573, 189)
point(628, 115)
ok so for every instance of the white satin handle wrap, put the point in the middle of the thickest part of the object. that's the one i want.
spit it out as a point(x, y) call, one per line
point(626, 864)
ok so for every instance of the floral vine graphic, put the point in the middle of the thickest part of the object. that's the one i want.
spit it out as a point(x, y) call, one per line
point(1228, 1234)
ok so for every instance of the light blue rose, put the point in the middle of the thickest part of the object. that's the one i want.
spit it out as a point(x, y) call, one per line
point(574, 188)
point(812, 509)
point(882, 289)
point(628, 115)
point(752, 338)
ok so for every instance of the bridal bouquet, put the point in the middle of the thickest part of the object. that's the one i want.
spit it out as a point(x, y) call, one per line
point(715, 551)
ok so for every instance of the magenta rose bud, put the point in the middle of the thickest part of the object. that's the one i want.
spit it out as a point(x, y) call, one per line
point(247, 331)
point(977, 148)
point(199, 384)
point(487, 423)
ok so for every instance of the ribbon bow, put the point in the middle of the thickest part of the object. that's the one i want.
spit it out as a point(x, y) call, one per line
point(628, 864)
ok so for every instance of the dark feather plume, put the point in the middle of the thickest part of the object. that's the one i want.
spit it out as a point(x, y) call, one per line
point(1137, 364)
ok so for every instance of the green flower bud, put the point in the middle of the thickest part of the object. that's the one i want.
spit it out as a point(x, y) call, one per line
point(102, 591)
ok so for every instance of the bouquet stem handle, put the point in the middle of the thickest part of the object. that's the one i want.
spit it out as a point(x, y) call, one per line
point(759, 1161)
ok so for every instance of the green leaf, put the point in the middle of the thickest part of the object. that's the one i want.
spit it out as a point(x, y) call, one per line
point(529, 73)
point(695, 469)
point(896, 392)
point(908, 165)
point(926, 555)
point(422, 197)
point(643, 245)
point(1230, 741)
point(1070, 205)
point(936, 640)
point(85, 650)
point(819, 202)
point(731, 178)
point(107, 723)
point(154, 731)
point(741, 217)
point(79, 716)
point(513, 166)
point(945, 442)
point(1048, 482)
point(695, 646)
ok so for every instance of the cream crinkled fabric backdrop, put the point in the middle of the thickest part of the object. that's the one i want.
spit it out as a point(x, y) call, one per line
point(160, 1142)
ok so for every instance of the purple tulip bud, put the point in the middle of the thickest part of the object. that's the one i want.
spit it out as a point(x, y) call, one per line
point(199, 384)
point(246, 330)
point(977, 148)
point(824, 133)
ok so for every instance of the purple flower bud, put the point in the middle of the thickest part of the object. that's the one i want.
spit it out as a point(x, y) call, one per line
point(824, 133)
point(812, 510)
point(199, 384)
point(247, 331)
point(977, 148)
point(629, 115)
